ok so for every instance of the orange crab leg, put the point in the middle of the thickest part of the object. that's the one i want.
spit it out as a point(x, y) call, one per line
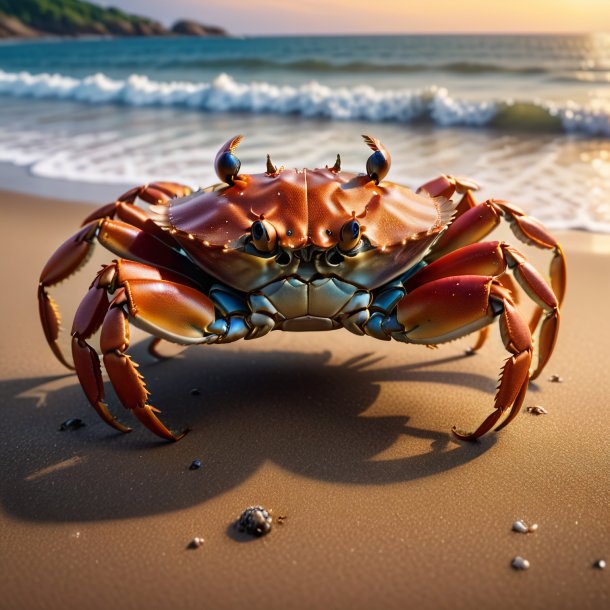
point(157, 193)
point(119, 237)
point(452, 307)
point(124, 376)
point(136, 217)
point(66, 260)
point(88, 318)
point(446, 186)
point(75, 251)
point(476, 223)
point(493, 259)
point(171, 310)
point(483, 258)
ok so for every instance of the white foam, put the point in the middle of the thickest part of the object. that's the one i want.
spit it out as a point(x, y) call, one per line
point(225, 94)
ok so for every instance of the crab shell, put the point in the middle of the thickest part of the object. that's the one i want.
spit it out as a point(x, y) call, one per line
point(307, 209)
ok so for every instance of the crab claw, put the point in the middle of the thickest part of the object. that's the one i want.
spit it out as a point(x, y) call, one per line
point(226, 164)
point(378, 164)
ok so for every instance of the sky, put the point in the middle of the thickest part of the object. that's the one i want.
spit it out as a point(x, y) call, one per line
point(278, 17)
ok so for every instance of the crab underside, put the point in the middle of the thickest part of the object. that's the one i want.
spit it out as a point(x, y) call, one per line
point(302, 250)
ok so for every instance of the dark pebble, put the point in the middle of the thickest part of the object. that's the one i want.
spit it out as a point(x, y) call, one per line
point(195, 465)
point(195, 392)
point(255, 520)
point(71, 424)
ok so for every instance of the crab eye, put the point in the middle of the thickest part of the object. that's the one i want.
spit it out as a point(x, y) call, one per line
point(350, 235)
point(264, 236)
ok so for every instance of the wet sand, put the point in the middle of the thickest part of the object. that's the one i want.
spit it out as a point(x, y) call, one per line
point(346, 438)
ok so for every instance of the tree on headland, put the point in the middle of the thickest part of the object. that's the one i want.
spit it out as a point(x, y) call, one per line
point(28, 18)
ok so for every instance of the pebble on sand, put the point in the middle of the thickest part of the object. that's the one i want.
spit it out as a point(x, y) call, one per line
point(195, 543)
point(600, 564)
point(74, 423)
point(195, 465)
point(555, 379)
point(521, 527)
point(518, 563)
point(537, 410)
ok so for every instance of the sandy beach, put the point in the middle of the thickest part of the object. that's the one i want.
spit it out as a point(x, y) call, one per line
point(346, 439)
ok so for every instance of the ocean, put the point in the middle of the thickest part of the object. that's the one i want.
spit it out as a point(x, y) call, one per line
point(528, 117)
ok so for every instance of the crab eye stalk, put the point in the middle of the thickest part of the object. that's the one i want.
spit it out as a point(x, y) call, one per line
point(264, 236)
point(227, 164)
point(378, 164)
point(350, 235)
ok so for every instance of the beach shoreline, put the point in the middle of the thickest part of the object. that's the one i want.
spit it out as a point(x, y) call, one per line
point(348, 439)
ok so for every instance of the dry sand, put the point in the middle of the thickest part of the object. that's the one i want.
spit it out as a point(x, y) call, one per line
point(347, 438)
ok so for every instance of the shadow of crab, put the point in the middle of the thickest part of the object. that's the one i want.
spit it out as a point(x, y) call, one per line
point(300, 411)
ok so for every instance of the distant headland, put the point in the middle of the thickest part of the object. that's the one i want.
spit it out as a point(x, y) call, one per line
point(74, 18)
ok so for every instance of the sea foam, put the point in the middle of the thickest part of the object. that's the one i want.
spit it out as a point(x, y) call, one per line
point(224, 94)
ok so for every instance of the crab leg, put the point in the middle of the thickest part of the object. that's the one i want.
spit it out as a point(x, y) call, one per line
point(494, 258)
point(476, 223)
point(145, 296)
point(452, 307)
point(74, 252)
point(119, 237)
point(446, 186)
point(479, 221)
point(88, 318)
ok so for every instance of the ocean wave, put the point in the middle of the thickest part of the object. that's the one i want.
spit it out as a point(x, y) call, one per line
point(325, 65)
point(224, 94)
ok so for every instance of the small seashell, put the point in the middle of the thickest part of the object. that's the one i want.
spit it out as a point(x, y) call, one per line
point(518, 563)
point(519, 526)
point(195, 465)
point(195, 543)
point(537, 410)
point(71, 424)
point(555, 379)
point(600, 564)
point(255, 520)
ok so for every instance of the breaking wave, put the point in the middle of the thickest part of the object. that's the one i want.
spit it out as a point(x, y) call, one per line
point(224, 94)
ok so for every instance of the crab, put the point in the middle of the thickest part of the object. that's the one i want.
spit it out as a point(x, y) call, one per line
point(303, 250)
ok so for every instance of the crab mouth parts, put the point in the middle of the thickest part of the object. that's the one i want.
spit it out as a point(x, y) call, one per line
point(308, 253)
point(330, 256)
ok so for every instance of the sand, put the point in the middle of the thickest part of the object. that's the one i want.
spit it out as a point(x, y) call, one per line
point(346, 438)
